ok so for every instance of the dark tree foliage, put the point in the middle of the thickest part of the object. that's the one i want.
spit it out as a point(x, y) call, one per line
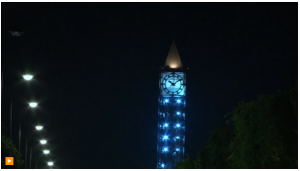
point(263, 134)
point(187, 163)
point(9, 150)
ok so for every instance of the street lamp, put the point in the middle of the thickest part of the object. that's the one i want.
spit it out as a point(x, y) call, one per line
point(33, 104)
point(50, 163)
point(43, 142)
point(27, 77)
point(46, 151)
point(39, 127)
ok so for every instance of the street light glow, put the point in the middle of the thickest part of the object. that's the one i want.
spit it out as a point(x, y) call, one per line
point(27, 77)
point(39, 127)
point(33, 104)
point(46, 151)
point(50, 163)
point(43, 141)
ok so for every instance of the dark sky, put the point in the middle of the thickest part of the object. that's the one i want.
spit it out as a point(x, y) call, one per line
point(96, 71)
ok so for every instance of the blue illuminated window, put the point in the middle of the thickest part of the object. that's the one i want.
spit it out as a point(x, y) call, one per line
point(178, 125)
point(166, 125)
point(177, 149)
point(165, 137)
point(178, 101)
point(166, 100)
point(163, 165)
point(165, 149)
point(177, 113)
point(177, 137)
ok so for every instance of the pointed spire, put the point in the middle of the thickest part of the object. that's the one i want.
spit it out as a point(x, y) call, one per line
point(173, 59)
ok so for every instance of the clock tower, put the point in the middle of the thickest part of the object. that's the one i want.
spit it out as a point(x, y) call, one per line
point(171, 111)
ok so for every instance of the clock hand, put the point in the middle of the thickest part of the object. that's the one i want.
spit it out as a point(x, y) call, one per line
point(177, 81)
point(173, 84)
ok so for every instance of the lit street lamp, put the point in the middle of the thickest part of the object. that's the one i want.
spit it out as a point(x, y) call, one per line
point(33, 104)
point(27, 77)
point(39, 127)
point(46, 151)
point(50, 163)
point(43, 141)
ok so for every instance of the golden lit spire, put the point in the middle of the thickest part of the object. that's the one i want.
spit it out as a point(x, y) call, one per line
point(173, 60)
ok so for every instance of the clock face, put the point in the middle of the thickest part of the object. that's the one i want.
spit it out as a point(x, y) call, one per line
point(172, 84)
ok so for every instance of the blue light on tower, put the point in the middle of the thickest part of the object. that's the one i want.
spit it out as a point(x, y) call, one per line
point(171, 112)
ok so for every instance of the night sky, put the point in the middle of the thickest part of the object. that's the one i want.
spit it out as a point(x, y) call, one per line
point(96, 68)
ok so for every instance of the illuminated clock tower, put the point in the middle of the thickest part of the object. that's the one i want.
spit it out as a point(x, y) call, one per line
point(171, 111)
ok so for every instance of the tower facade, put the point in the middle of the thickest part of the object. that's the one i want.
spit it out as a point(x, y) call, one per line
point(171, 112)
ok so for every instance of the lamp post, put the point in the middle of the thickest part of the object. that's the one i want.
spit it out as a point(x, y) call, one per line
point(46, 152)
point(32, 105)
point(26, 77)
point(43, 141)
point(50, 163)
point(38, 128)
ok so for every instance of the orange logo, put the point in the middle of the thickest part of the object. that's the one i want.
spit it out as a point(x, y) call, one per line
point(9, 161)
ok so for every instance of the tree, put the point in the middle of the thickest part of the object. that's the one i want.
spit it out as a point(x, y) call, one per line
point(262, 134)
point(216, 151)
point(187, 163)
point(9, 150)
point(265, 132)
point(214, 154)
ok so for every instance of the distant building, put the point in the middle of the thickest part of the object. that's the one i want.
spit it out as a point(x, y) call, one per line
point(171, 111)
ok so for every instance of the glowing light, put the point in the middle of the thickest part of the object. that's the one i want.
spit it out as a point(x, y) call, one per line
point(166, 125)
point(173, 65)
point(46, 151)
point(177, 149)
point(178, 101)
point(27, 77)
point(165, 149)
point(163, 165)
point(165, 137)
point(178, 113)
point(39, 127)
point(166, 100)
point(178, 125)
point(33, 104)
point(177, 137)
point(50, 163)
point(43, 141)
